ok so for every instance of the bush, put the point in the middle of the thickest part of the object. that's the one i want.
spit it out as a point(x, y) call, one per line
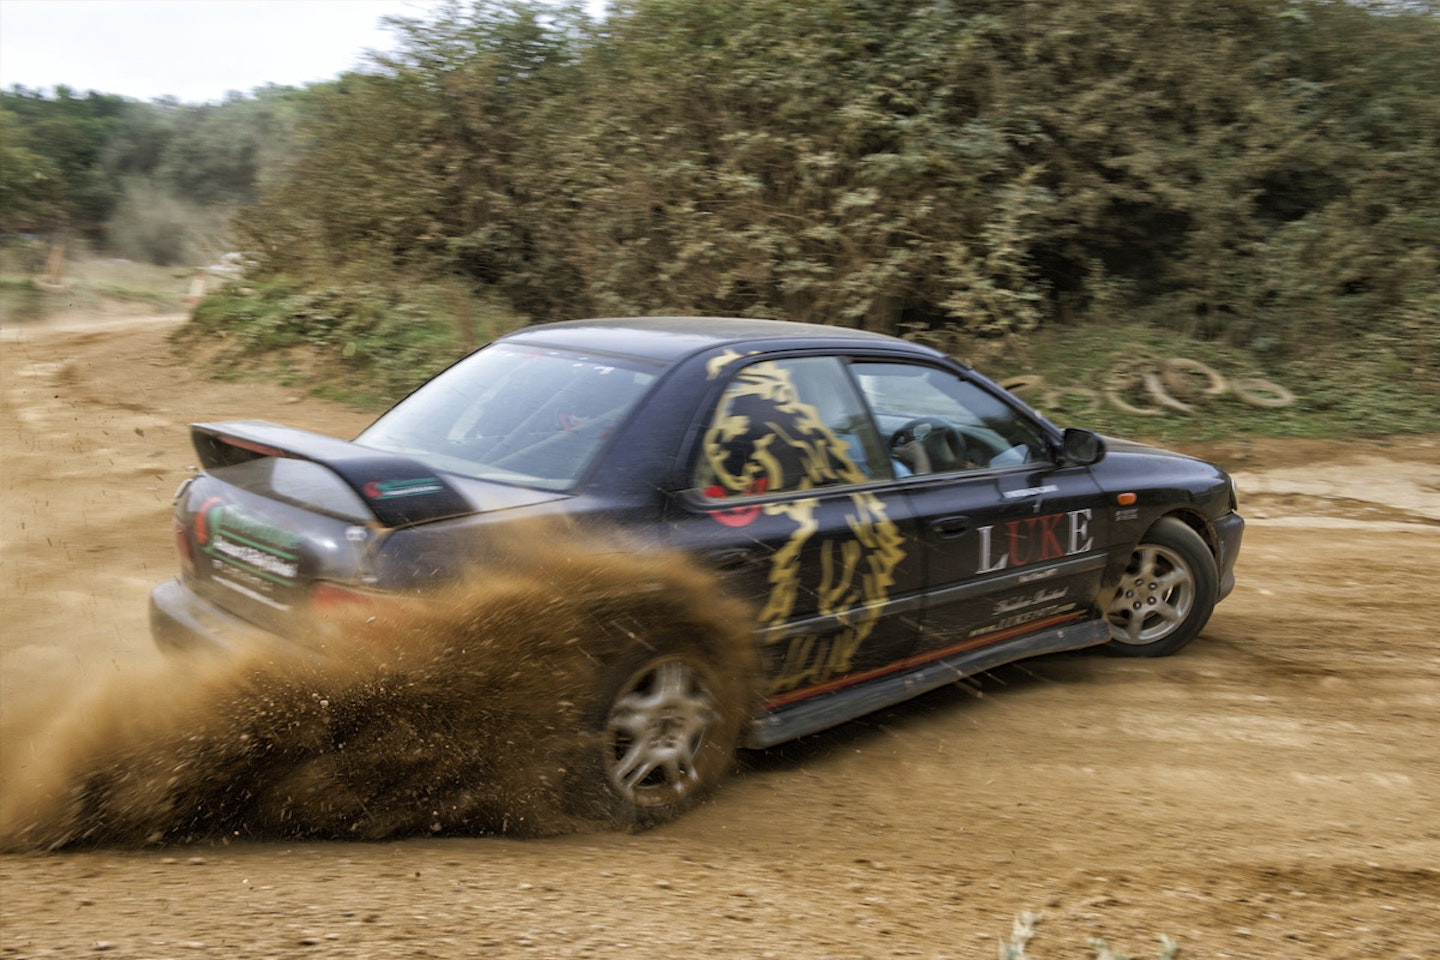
point(364, 344)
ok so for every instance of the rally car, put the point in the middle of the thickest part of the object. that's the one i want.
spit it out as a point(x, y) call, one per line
point(893, 518)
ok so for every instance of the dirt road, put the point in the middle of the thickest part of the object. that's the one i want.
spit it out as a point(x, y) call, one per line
point(1272, 792)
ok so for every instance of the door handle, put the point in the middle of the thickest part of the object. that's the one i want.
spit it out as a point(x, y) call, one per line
point(948, 528)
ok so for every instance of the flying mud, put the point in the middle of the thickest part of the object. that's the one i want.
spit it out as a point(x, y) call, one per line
point(469, 712)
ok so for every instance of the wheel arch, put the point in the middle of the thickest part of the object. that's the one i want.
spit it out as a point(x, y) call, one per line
point(1168, 589)
point(1121, 551)
point(1196, 521)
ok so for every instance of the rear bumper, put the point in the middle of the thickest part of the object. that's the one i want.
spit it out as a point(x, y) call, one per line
point(180, 620)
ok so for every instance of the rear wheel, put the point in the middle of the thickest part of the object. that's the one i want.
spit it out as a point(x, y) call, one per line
point(1166, 594)
point(664, 729)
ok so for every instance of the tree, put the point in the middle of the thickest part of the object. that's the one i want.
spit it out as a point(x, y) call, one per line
point(1260, 170)
point(29, 181)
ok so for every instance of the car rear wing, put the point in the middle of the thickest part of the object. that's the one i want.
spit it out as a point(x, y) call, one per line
point(399, 491)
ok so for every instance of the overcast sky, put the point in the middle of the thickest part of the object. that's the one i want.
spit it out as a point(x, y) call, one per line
point(194, 50)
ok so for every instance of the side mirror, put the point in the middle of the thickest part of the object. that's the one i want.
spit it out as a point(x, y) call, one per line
point(1082, 447)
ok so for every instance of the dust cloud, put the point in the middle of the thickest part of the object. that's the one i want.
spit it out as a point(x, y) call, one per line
point(462, 713)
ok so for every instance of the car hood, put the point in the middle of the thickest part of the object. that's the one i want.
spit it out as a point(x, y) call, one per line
point(1121, 445)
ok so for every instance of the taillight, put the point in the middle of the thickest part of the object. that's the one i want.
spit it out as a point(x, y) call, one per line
point(339, 613)
point(333, 600)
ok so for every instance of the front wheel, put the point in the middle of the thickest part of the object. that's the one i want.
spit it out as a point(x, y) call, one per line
point(1166, 594)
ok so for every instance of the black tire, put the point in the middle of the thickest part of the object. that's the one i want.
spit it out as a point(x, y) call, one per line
point(1183, 377)
point(1166, 594)
point(1265, 394)
point(663, 727)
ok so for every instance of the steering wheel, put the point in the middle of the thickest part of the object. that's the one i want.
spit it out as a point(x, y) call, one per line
point(944, 448)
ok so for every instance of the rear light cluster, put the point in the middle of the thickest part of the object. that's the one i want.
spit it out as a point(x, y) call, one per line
point(333, 601)
point(185, 546)
point(342, 614)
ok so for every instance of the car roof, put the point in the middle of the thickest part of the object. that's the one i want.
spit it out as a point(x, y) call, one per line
point(668, 339)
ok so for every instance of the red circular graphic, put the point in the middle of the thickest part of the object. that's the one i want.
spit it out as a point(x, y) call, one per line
point(737, 516)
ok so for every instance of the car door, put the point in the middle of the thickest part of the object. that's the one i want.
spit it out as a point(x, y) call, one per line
point(792, 496)
point(1013, 541)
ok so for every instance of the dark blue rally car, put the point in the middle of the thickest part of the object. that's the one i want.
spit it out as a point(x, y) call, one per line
point(896, 520)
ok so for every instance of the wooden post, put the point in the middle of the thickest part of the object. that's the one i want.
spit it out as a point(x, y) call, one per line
point(56, 264)
point(197, 287)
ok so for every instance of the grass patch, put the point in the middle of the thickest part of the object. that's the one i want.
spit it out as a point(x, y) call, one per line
point(87, 285)
point(20, 301)
point(1366, 387)
point(127, 282)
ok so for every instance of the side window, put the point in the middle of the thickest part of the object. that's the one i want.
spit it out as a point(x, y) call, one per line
point(933, 421)
point(788, 425)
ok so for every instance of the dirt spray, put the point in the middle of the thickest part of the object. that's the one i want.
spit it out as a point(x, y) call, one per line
point(462, 712)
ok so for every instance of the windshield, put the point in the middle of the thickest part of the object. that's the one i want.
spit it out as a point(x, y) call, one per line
point(533, 417)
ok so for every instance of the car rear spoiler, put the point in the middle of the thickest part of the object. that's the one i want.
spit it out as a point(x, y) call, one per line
point(398, 490)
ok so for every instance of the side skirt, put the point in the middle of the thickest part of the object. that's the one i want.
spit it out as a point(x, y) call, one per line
point(821, 713)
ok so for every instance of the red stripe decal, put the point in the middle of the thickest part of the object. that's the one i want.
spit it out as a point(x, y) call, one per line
point(919, 659)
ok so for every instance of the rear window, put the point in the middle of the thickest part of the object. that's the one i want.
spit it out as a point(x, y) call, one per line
point(528, 416)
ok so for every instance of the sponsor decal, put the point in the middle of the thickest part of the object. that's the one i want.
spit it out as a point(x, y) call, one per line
point(256, 559)
point(245, 554)
point(1029, 600)
point(394, 489)
point(1017, 543)
point(720, 361)
point(226, 519)
point(1038, 575)
point(855, 576)
point(1029, 491)
point(1025, 609)
point(1023, 619)
point(764, 437)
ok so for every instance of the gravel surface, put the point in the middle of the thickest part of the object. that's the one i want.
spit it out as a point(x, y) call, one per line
point(1271, 792)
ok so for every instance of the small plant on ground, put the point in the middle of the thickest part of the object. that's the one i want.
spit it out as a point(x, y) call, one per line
point(1023, 931)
